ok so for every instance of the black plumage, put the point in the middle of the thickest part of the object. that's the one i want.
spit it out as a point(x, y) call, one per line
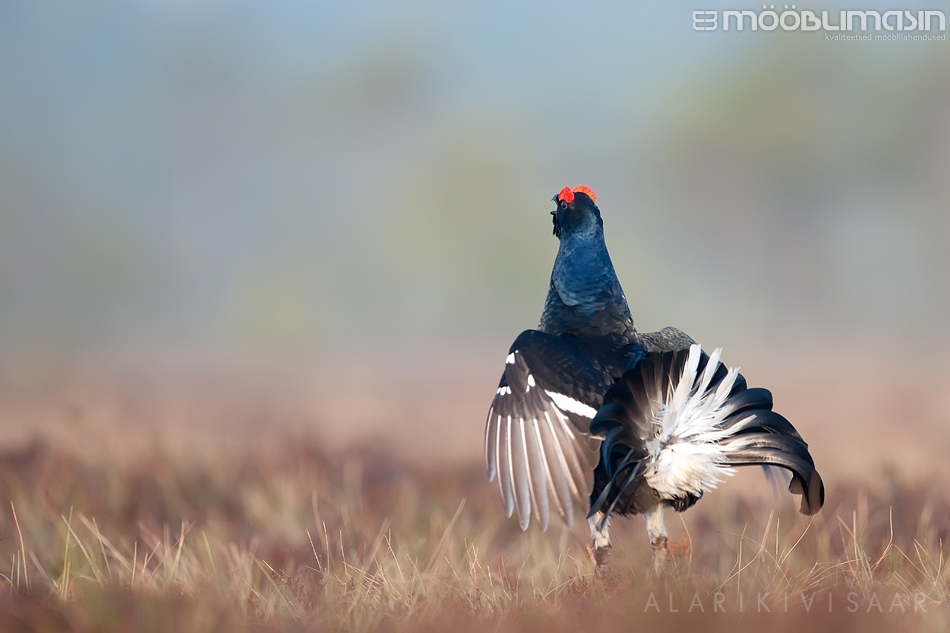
point(578, 416)
point(751, 433)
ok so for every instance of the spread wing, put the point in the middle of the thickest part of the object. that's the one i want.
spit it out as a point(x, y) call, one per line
point(537, 437)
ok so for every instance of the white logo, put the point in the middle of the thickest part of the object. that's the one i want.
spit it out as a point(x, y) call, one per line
point(792, 19)
point(705, 20)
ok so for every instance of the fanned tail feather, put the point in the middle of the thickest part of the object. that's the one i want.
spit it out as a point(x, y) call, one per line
point(765, 449)
point(676, 422)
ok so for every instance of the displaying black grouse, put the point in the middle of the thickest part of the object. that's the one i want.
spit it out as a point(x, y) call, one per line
point(591, 411)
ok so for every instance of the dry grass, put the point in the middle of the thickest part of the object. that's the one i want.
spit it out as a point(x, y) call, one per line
point(358, 540)
point(165, 500)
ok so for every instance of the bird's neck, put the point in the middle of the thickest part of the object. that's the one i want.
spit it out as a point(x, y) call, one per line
point(585, 297)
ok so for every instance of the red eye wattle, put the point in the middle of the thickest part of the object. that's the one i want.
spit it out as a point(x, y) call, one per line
point(566, 195)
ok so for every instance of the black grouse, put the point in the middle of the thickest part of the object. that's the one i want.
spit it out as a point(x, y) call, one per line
point(589, 410)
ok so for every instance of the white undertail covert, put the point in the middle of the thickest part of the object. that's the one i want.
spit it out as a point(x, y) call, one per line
point(689, 453)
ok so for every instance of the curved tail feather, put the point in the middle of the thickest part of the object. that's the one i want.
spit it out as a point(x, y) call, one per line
point(677, 422)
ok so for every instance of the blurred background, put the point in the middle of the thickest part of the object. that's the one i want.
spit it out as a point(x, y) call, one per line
point(244, 219)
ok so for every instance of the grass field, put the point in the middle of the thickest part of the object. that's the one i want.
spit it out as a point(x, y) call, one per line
point(302, 533)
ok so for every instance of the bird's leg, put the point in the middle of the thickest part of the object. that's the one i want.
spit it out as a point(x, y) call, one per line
point(600, 543)
point(658, 539)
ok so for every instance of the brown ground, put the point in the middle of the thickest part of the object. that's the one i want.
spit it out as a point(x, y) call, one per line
point(300, 497)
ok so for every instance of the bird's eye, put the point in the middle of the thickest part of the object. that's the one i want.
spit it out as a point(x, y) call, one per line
point(563, 204)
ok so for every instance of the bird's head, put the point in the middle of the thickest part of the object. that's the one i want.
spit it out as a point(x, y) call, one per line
point(576, 213)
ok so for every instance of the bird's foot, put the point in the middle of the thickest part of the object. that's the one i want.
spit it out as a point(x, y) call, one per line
point(601, 556)
point(600, 544)
point(662, 561)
